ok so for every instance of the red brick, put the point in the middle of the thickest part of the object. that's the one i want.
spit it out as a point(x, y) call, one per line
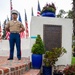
point(5, 70)
point(33, 71)
point(0, 71)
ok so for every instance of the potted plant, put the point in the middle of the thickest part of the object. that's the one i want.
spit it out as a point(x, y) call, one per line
point(69, 70)
point(49, 10)
point(50, 58)
point(37, 50)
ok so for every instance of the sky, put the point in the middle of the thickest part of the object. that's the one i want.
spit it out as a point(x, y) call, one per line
point(21, 5)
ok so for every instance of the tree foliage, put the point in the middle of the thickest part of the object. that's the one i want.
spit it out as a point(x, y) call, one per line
point(38, 46)
point(73, 9)
point(63, 14)
point(4, 32)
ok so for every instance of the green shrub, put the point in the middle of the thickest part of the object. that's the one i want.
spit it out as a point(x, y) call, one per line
point(38, 46)
point(52, 56)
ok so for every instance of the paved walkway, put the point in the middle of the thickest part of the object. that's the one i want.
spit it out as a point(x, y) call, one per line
point(14, 67)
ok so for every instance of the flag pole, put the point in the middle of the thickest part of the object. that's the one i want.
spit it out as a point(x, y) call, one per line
point(32, 14)
point(10, 9)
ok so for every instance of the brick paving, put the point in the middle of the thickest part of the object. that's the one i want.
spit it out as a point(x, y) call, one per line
point(14, 67)
point(33, 72)
point(19, 67)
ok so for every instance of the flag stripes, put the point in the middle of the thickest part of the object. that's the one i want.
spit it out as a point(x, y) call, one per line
point(26, 26)
point(22, 34)
point(7, 33)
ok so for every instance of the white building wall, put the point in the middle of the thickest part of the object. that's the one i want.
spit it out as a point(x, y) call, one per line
point(25, 48)
point(36, 27)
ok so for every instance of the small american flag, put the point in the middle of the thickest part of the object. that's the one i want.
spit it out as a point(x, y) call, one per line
point(32, 14)
point(22, 34)
point(10, 9)
point(38, 9)
point(11, 5)
point(26, 25)
point(7, 33)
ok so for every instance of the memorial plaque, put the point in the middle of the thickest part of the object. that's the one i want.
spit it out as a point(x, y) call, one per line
point(52, 35)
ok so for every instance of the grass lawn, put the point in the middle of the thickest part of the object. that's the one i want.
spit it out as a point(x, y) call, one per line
point(73, 60)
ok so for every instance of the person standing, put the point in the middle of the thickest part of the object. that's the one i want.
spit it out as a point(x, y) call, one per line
point(14, 27)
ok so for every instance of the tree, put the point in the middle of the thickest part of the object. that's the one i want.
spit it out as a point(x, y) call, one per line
point(69, 14)
point(61, 13)
point(4, 32)
point(64, 14)
point(73, 17)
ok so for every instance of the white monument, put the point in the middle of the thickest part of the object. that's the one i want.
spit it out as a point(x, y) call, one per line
point(36, 27)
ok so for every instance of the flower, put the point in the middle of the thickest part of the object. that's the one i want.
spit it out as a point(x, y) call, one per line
point(69, 70)
point(49, 7)
point(58, 72)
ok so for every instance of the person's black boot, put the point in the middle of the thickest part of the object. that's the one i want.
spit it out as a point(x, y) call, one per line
point(19, 58)
point(10, 59)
